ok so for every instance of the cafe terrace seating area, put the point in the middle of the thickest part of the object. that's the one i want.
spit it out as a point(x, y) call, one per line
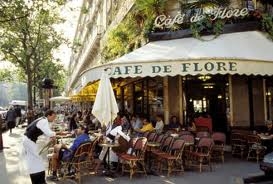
point(171, 153)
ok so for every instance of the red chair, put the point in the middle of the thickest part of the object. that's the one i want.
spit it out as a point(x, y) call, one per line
point(202, 154)
point(202, 134)
point(165, 146)
point(151, 137)
point(173, 158)
point(189, 145)
point(136, 157)
point(218, 151)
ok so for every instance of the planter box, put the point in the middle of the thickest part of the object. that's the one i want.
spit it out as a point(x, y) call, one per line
point(185, 33)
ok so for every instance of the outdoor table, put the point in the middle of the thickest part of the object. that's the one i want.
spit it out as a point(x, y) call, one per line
point(109, 146)
point(151, 145)
point(174, 135)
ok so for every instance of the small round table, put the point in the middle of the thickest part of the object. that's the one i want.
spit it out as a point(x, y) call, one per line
point(151, 145)
point(109, 146)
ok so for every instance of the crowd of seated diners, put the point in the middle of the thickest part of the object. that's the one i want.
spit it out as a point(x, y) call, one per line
point(127, 131)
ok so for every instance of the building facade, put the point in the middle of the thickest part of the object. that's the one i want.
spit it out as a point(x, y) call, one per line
point(175, 74)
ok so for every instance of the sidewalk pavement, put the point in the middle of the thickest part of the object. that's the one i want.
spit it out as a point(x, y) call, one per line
point(231, 172)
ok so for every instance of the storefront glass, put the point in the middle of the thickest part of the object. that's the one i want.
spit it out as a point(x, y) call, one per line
point(207, 93)
point(143, 96)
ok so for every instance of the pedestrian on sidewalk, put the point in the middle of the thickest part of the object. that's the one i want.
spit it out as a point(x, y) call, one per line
point(11, 118)
point(34, 161)
point(18, 114)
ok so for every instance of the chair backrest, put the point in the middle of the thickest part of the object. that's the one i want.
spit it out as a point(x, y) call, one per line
point(205, 145)
point(177, 148)
point(166, 144)
point(152, 136)
point(219, 138)
point(160, 138)
point(187, 138)
point(140, 147)
point(238, 138)
point(184, 132)
point(82, 152)
point(146, 134)
point(252, 139)
point(202, 134)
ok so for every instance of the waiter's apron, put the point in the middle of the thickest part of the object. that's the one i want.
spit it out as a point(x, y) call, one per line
point(33, 160)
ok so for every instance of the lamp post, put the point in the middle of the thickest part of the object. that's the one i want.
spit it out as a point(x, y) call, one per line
point(47, 85)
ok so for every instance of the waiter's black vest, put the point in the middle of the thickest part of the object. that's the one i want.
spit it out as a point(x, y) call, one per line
point(32, 131)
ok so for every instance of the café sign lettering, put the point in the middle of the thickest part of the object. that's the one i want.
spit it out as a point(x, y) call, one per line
point(183, 68)
point(219, 13)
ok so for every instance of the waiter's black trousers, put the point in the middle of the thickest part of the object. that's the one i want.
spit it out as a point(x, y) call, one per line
point(38, 178)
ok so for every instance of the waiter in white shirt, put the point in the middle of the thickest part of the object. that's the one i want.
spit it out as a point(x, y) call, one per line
point(33, 160)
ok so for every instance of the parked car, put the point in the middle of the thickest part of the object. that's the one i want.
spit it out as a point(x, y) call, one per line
point(267, 164)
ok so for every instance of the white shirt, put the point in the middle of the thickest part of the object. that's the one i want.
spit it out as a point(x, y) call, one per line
point(159, 126)
point(44, 126)
point(118, 131)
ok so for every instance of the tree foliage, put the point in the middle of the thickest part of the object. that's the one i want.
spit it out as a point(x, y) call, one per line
point(131, 32)
point(28, 36)
point(5, 75)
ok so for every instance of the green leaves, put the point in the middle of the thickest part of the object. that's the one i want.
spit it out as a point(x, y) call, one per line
point(28, 37)
point(131, 33)
point(206, 25)
point(267, 24)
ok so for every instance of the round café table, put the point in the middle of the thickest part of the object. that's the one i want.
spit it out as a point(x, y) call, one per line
point(109, 146)
point(151, 145)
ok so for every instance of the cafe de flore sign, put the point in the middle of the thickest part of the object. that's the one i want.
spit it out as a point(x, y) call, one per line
point(172, 68)
point(218, 13)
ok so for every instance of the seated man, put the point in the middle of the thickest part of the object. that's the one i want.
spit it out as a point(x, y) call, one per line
point(147, 127)
point(62, 153)
point(269, 128)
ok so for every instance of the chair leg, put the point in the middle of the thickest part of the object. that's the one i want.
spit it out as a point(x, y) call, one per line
point(200, 164)
point(122, 168)
point(132, 165)
point(143, 167)
point(170, 164)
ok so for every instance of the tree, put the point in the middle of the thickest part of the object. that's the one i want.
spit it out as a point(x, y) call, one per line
point(5, 75)
point(29, 41)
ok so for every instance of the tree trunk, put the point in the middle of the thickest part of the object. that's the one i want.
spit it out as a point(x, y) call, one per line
point(29, 89)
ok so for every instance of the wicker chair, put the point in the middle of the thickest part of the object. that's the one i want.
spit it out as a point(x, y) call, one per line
point(79, 162)
point(173, 158)
point(135, 160)
point(238, 144)
point(219, 139)
point(255, 149)
point(202, 154)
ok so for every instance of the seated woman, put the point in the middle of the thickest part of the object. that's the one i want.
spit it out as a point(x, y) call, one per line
point(63, 153)
point(192, 126)
point(112, 134)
